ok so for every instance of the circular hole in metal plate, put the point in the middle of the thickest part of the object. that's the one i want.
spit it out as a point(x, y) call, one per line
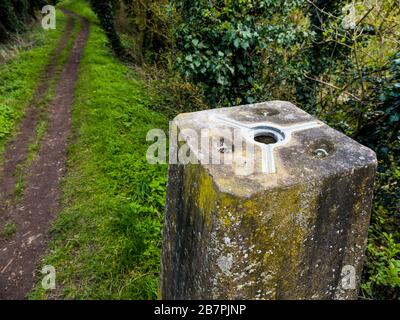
point(268, 135)
point(266, 138)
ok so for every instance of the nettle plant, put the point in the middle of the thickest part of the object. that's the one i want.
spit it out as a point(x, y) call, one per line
point(221, 44)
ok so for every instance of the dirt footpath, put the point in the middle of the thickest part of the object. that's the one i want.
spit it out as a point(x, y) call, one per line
point(39, 204)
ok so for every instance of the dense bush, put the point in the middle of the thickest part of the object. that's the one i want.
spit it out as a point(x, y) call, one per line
point(104, 10)
point(381, 133)
point(14, 15)
point(222, 44)
point(148, 23)
point(8, 19)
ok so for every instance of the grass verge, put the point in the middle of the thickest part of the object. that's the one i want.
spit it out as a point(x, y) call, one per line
point(107, 239)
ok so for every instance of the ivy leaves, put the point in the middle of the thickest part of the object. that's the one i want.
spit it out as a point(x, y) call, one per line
point(221, 47)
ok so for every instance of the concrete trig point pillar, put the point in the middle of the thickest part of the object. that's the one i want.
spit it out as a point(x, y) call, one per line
point(286, 219)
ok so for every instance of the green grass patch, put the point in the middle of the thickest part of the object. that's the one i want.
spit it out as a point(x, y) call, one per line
point(107, 240)
point(8, 230)
point(19, 77)
point(80, 7)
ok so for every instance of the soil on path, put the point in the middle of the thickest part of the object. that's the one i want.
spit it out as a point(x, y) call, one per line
point(39, 204)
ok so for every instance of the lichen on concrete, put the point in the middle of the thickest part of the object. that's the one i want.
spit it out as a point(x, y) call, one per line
point(286, 235)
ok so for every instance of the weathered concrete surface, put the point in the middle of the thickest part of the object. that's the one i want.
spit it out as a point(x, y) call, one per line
point(281, 235)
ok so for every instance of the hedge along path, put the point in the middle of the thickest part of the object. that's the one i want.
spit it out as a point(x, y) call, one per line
point(20, 255)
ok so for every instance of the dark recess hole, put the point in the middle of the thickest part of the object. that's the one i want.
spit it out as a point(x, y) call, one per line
point(266, 138)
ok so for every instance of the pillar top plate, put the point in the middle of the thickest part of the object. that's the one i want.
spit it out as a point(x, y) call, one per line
point(303, 148)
